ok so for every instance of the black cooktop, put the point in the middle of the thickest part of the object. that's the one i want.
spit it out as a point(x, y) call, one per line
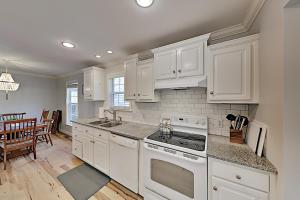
point(181, 139)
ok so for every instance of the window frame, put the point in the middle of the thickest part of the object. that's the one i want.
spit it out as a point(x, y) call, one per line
point(111, 94)
point(69, 101)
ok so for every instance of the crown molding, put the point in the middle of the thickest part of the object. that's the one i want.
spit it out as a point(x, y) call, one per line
point(244, 26)
point(27, 73)
point(69, 74)
point(226, 32)
point(252, 14)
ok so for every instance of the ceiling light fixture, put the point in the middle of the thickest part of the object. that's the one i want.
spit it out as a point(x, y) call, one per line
point(145, 3)
point(97, 56)
point(7, 83)
point(110, 52)
point(68, 44)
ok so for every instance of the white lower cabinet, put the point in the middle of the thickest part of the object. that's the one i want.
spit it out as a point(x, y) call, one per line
point(77, 148)
point(101, 156)
point(226, 190)
point(227, 181)
point(91, 145)
point(87, 149)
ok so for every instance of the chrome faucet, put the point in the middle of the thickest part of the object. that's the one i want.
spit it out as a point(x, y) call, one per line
point(114, 113)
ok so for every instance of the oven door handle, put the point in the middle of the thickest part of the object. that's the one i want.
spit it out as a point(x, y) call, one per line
point(198, 161)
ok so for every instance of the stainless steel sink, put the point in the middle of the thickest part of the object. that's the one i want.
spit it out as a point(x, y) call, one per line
point(99, 122)
point(111, 124)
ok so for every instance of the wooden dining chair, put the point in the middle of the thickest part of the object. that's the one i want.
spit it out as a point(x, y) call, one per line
point(18, 135)
point(44, 116)
point(44, 135)
point(55, 116)
point(11, 116)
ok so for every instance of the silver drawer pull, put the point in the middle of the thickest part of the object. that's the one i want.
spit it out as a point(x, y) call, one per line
point(238, 177)
point(215, 188)
point(100, 135)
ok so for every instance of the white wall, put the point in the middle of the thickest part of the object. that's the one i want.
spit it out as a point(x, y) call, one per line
point(270, 110)
point(86, 109)
point(33, 95)
point(291, 138)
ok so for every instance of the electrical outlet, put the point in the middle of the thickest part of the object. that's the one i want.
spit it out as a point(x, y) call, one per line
point(220, 124)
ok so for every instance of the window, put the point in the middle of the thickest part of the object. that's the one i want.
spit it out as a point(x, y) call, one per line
point(118, 97)
point(72, 103)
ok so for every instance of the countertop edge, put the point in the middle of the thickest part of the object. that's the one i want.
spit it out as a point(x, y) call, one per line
point(115, 131)
point(273, 171)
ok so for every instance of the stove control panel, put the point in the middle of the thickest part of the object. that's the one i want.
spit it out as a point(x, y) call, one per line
point(189, 121)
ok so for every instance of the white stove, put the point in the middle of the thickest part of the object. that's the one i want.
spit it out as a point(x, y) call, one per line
point(175, 164)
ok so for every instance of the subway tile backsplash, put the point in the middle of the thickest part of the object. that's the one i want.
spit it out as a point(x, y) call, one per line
point(192, 101)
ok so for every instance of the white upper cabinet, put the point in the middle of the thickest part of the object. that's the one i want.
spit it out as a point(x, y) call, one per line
point(130, 79)
point(145, 82)
point(233, 71)
point(190, 60)
point(94, 84)
point(139, 82)
point(167, 59)
point(181, 64)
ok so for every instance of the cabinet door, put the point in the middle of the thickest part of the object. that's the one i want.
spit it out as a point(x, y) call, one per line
point(145, 81)
point(87, 149)
point(165, 64)
point(130, 79)
point(230, 73)
point(226, 190)
point(77, 148)
point(190, 60)
point(101, 156)
point(88, 85)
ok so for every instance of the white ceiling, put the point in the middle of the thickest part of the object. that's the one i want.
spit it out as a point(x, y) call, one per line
point(31, 31)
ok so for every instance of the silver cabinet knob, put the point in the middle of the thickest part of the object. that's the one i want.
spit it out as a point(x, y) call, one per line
point(134, 94)
point(215, 188)
point(211, 92)
point(100, 135)
point(139, 94)
point(238, 177)
point(174, 71)
point(179, 70)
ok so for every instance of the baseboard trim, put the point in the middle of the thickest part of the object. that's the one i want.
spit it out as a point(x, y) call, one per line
point(66, 132)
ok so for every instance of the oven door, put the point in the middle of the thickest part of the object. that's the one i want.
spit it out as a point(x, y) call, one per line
point(173, 176)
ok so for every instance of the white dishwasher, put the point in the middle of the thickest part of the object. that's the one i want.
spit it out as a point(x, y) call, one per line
point(124, 161)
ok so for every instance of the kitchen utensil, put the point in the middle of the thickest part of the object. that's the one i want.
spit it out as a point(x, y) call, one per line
point(231, 118)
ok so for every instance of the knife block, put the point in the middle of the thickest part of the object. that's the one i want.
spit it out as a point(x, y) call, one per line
point(236, 136)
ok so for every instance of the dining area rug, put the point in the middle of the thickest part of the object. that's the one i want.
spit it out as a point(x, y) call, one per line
point(83, 181)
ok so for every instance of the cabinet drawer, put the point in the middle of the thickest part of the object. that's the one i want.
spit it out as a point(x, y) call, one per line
point(101, 135)
point(240, 175)
point(77, 148)
point(77, 136)
point(89, 131)
point(77, 128)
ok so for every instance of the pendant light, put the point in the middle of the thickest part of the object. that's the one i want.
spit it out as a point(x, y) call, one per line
point(7, 83)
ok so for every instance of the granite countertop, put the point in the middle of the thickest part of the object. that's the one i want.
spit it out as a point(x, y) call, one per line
point(133, 130)
point(220, 147)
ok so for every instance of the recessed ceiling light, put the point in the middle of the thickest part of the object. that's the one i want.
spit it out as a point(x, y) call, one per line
point(109, 52)
point(98, 56)
point(68, 44)
point(144, 3)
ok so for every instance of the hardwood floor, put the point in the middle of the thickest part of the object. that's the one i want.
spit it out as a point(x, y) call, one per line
point(29, 179)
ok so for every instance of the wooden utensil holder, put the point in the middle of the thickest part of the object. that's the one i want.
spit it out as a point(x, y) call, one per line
point(236, 136)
